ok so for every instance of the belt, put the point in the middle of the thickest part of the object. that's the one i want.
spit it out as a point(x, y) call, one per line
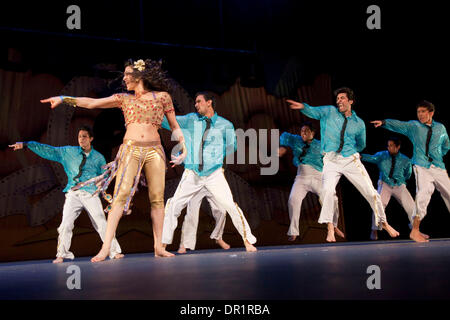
point(141, 143)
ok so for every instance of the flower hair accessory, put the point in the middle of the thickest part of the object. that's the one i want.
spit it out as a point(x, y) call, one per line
point(140, 65)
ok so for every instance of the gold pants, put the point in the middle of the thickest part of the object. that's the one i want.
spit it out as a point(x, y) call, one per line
point(135, 157)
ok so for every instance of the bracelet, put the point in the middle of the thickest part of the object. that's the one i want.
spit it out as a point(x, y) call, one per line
point(183, 147)
point(69, 100)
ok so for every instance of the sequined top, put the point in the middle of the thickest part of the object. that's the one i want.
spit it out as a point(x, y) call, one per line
point(140, 110)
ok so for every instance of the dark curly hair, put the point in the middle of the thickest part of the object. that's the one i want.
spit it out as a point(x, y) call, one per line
point(153, 76)
point(207, 96)
point(426, 104)
point(349, 92)
point(395, 140)
point(308, 124)
point(88, 129)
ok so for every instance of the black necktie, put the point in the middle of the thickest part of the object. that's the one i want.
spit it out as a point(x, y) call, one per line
point(81, 167)
point(200, 155)
point(304, 151)
point(427, 148)
point(341, 145)
point(391, 173)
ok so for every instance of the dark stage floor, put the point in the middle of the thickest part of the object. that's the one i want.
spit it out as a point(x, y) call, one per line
point(408, 270)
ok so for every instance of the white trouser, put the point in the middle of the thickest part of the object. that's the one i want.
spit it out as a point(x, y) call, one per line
point(307, 180)
point(426, 181)
point(216, 184)
point(400, 193)
point(190, 223)
point(75, 202)
point(334, 166)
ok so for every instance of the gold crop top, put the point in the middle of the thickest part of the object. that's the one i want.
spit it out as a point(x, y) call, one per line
point(139, 110)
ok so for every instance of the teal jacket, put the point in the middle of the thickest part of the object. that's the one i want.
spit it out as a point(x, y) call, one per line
point(331, 121)
point(70, 157)
point(312, 157)
point(220, 141)
point(417, 133)
point(383, 159)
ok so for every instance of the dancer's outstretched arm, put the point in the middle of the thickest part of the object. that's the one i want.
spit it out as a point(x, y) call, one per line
point(43, 150)
point(371, 158)
point(402, 127)
point(16, 146)
point(294, 105)
point(83, 102)
point(377, 123)
point(309, 111)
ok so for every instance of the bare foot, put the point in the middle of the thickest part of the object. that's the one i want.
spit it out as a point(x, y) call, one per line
point(58, 260)
point(223, 244)
point(392, 232)
point(330, 236)
point(249, 247)
point(425, 235)
point(374, 235)
point(416, 235)
point(163, 253)
point(339, 232)
point(101, 256)
point(292, 238)
point(119, 256)
point(181, 249)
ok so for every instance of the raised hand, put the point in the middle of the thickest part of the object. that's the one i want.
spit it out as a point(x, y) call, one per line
point(16, 146)
point(377, 123)
point(54, 101)
point(294, 104)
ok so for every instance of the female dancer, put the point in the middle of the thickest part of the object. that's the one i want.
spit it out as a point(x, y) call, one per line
point(141, 148)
